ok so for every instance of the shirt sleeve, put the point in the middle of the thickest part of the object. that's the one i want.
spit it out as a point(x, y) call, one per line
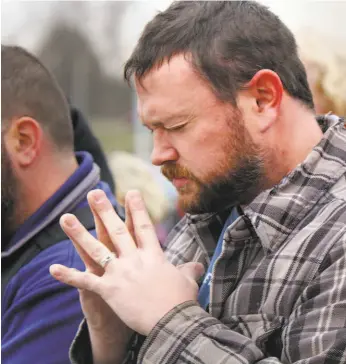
point(80, 351)
point(41, 315)
point(315, 332)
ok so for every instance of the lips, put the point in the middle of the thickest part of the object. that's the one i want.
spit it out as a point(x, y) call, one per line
point(180, 182)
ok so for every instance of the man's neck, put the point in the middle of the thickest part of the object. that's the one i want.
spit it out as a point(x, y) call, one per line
point(296, 137)
point(47, 178)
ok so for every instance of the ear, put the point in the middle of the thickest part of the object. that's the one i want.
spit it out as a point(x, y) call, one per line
point(24, 140)
point(267, 89)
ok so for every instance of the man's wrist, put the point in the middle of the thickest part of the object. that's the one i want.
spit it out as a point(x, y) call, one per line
point(109, 349)
point(109, 346)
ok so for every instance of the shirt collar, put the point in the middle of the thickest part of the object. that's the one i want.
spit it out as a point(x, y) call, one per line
point(85, 162)
point(276, 212)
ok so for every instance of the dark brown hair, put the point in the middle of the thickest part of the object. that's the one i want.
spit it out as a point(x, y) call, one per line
point(228, 41)
point(29, 89)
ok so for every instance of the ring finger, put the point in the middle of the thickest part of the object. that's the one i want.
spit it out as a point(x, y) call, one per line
point(80, 236)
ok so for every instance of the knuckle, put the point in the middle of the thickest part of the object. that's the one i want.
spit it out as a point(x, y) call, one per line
point(118, 230)
point(89, 284)
point(78, 233)
point(85, 282)
point(97, 252)
point(145, 227)
point(69, 280)
point(70, 277)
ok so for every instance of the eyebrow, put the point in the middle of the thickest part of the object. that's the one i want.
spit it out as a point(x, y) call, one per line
point(154, 124)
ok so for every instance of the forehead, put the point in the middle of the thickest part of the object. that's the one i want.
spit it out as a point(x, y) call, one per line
point(171, 89)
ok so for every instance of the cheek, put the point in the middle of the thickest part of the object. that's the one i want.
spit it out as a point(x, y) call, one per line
point(202, 152)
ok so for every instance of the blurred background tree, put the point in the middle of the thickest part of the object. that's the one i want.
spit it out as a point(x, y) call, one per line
point(85, 44)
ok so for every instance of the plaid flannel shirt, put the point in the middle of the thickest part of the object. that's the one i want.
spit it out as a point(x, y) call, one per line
point(278, 289)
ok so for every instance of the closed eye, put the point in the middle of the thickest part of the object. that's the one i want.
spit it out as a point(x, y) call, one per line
point(177, 127)
point(161, 126)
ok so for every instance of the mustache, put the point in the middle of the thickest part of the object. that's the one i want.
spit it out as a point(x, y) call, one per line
point(172, 170)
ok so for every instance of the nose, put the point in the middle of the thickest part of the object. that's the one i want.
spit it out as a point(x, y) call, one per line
point(163, 151)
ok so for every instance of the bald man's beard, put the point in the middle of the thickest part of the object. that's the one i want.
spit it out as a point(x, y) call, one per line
point(9, 197)
point(239, 176)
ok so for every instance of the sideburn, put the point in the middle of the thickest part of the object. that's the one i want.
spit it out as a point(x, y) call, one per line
point(9, 195)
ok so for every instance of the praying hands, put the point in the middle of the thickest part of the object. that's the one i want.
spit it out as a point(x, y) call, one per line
point(128, 284)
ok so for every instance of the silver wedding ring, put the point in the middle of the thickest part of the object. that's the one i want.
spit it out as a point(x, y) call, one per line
point(106, 259)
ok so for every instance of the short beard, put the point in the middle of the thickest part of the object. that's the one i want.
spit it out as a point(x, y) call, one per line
point(9, 196)
point(239, 187)
point(233, 183)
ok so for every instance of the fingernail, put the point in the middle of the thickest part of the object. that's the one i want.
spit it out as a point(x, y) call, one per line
point(55, 271)
point(98, 196)
point(70, 221)
point(134, 194)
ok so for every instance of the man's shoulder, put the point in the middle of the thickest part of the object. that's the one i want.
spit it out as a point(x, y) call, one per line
point(63, 252)
point(330, 211)
point(36, 272)
point(33, 279)
point(320, 233)
point(338, 191)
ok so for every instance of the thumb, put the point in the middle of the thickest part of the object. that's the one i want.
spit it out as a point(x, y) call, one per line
point(192, 270)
